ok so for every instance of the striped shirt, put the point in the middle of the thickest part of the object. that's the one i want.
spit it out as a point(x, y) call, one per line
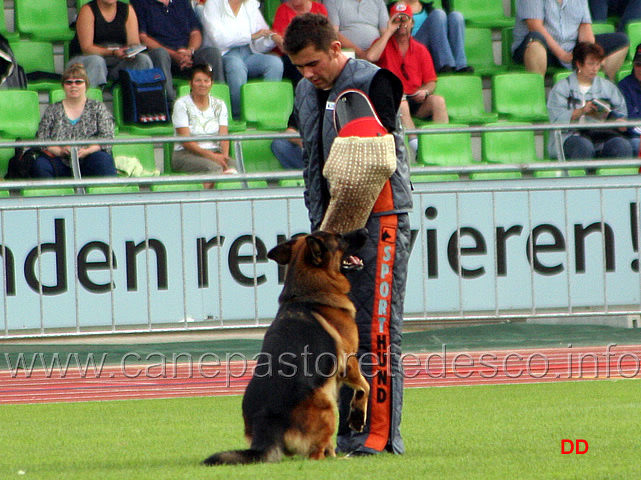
point(560, 20)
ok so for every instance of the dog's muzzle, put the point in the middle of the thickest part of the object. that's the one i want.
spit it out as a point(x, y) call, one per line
point(351, 263)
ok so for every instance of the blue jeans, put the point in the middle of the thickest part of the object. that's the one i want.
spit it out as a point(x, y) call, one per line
point(577, 147)
point(240, 63)
point(628, 10)
point(97, 164)
point(444, 36)
point(288, 154)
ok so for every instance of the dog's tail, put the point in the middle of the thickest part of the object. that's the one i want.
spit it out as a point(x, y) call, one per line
point(241, 457)
point(266, 446)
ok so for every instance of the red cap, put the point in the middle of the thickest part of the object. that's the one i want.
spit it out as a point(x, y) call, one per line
point(400, 8)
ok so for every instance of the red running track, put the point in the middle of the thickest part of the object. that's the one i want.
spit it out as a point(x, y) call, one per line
point(440, 369)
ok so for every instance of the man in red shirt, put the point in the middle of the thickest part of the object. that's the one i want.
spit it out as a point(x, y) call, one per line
point(410, 61)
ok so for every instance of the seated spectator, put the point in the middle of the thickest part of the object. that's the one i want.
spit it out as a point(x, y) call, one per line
point(173, 35)
point(546, 31)
point(104, 29)
point(200, 113)
point(76, 117)
point(358, 22)
point(576, 99)
point(285, 13)
point(627, 10)
point(442, 33)
point(630, 87)
point(239, 30)
point(289, 151)
point(410, 61)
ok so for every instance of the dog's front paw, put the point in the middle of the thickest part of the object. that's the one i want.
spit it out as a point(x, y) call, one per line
point(356, 420)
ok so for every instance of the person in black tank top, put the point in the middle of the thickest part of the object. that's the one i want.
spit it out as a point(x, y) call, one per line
point(104, 29)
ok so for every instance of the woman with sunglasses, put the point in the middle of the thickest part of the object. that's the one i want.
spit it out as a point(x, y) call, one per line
point(76, 117)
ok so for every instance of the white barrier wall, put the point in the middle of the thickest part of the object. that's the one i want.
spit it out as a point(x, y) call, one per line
point(184, 260)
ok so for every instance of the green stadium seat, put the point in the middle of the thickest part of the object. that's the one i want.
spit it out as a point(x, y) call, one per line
point(506, 147)
point(599, 28)
point(291, 182)
point(479, 53)
point(483, 13)
point(113, 189)
point(267, 105)
point(258, 156)
point(44, 21)
point(519, 97)
point(464, 99)
point(36, 56)
point(428, 177)
point(241, 185)
point(617, 171)
point(176, 187)
point(516, 146)
point(144, 152)
point(445, 150)
point(47, 192)
point(19, 113)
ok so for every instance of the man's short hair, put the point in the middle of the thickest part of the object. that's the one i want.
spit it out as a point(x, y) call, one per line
point(309, 29)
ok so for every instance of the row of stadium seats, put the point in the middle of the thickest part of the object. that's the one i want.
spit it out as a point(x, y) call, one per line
point(497, 147)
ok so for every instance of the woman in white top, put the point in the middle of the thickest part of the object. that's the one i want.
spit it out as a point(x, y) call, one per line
point(239, 30)
point(199, 113)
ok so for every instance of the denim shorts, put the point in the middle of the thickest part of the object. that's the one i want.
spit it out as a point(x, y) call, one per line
point(610, 42)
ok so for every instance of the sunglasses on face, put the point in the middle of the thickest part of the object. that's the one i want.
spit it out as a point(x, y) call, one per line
point(76, 81)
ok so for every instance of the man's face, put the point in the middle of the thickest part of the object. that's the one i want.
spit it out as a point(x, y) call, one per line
point(319, 67)
point(403, 24)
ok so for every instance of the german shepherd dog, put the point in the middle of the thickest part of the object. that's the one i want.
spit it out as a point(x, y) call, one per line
point(309, 350)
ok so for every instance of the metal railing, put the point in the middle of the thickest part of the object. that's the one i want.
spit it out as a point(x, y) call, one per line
point(235, 139)
point(264, 208)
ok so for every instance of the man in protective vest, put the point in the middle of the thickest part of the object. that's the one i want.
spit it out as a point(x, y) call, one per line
point(345, 106)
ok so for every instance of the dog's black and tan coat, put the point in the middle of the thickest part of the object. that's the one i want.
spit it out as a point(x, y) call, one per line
point(309, 350)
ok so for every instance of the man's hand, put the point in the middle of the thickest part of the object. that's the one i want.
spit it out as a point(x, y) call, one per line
point(184, 58)
point(566, 57)
point(420, 96)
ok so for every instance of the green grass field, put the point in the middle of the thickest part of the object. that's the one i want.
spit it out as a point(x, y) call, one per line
point(484, 432)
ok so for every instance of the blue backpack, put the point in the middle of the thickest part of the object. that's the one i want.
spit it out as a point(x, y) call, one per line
point(144, 98)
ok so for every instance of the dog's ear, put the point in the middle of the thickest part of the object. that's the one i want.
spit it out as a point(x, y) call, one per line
point(317, 249)
point(281, 253)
